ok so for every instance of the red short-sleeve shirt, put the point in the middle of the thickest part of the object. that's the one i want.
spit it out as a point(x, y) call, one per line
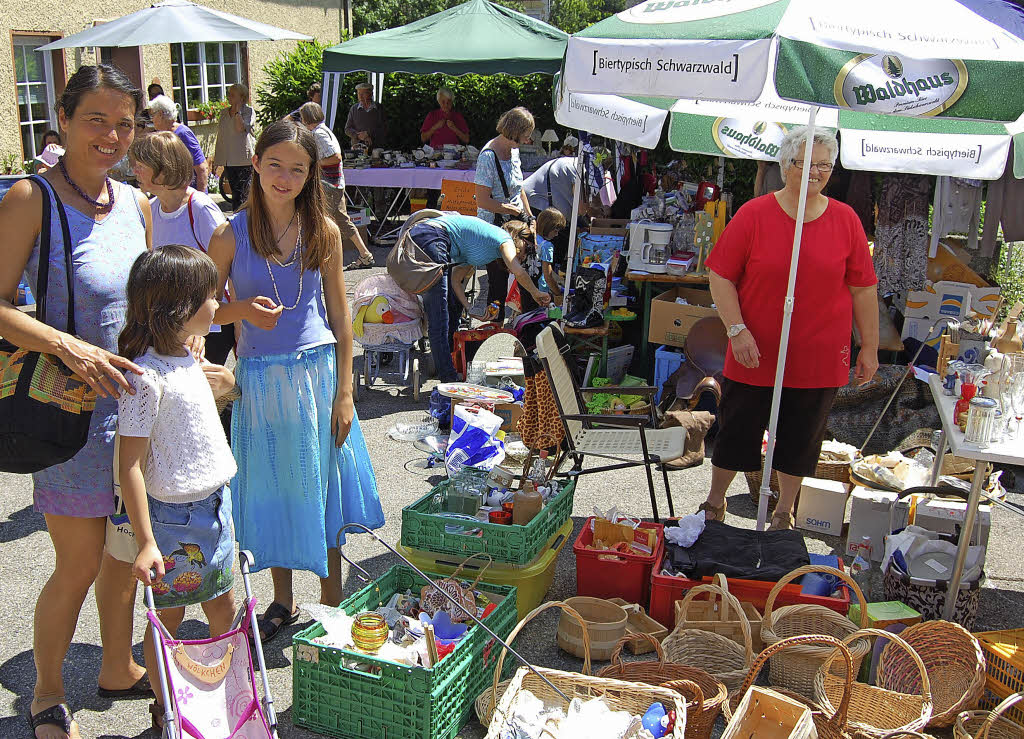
point(754, 254)
point(444, 135)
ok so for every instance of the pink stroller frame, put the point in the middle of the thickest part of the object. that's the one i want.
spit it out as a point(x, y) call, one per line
point(207, 686)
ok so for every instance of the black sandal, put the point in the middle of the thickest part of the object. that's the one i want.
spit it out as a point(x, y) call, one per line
point(276, 612)
point(59, 715)
point(141, 689)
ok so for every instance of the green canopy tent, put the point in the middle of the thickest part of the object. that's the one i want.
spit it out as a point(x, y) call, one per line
point(477, 37)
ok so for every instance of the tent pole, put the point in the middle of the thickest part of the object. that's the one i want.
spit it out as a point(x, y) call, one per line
point(787, 319)
point(576, 193)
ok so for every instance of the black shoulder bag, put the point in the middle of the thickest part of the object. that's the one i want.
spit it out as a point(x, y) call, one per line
point(502, 218)
point(45, 409)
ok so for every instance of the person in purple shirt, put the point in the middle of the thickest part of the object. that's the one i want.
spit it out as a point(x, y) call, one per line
point(164, 113)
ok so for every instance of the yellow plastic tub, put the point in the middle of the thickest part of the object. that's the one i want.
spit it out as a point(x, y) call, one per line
point(532, 580)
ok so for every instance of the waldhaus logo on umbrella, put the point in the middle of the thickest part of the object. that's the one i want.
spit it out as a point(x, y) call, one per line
point(674, 11)
point(886, 83)
point(747, 139)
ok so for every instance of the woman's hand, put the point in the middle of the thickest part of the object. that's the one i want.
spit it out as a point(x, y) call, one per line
point(342, 414)
point(99, 369)
point(867, 365)
point(745, 350)
point(221, 379)
point(263, 312)
point(149, 559)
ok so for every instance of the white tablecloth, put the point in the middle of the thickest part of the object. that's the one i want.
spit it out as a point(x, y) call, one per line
point(428, 177)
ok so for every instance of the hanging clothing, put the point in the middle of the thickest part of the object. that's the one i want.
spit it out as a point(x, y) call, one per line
point(901, 233)
point(1004, 206)
point(957, 200)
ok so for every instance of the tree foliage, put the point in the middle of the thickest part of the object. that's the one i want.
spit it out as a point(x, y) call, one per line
point(575, 15)
point(288, 77)
point(369, 16)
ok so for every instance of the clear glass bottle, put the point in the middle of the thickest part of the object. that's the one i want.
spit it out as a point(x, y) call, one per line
point(539, 469)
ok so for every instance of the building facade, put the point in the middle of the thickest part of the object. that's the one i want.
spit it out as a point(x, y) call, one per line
point(192, 74)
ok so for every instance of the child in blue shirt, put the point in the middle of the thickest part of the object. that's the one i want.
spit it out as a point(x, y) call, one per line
point(549, 222)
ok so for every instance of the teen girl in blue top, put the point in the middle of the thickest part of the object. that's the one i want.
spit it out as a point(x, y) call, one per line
point(303, 467)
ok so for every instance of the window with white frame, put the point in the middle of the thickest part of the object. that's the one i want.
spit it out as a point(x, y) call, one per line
point(33, 73)
point(203, 72)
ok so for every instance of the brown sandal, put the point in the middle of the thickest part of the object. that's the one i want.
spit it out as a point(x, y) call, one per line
point(717, 511)
point(781, 522)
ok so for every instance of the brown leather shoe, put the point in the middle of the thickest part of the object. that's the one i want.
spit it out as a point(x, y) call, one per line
point(713, 512)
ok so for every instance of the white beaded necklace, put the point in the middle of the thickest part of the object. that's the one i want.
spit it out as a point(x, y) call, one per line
point(296, 256)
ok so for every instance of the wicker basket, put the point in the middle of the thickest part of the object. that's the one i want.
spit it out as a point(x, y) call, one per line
point(485, 702)
point(828, 726)
point(826, 470)
point(715, 615)
point(718, 655)
point(875, 711)
point(795, 670)
point(989, 724)
point(703, 693)
point(955, 665)
point(604, 624)
point(619, 695)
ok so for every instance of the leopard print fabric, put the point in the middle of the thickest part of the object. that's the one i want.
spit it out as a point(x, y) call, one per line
point(540, 425)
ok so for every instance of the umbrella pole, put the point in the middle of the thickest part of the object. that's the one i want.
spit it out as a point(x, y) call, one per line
point(787, 319)
point(576, 193)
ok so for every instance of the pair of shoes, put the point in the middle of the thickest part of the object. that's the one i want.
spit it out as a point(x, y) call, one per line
point(59, 715)
point(274, 619)
point(362, 262)
point(713, 512)
point(781, 522)
point(141, 689)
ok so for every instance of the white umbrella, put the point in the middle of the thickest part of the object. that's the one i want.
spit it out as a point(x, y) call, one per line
point(174, 22)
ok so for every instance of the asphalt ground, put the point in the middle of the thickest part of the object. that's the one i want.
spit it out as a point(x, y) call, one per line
point(27, 560)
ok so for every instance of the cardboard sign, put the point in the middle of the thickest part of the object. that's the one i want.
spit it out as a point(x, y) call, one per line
point(458, 196)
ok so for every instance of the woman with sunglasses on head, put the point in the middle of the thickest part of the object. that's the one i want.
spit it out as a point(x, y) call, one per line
point(835, 287)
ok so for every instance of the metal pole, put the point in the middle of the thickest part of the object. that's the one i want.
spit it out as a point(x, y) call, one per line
point(787, 319)
point(365, 576)
point(576, 194)
point(977, 481)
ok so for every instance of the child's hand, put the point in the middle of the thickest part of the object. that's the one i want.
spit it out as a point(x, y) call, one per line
point(149, 559)
point(263, 312)
point(221, 379)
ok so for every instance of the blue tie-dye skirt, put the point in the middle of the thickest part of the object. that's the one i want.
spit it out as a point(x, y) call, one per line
point(295, 489)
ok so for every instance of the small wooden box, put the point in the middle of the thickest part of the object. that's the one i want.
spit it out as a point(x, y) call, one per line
point(766, 714)
point(638, 622)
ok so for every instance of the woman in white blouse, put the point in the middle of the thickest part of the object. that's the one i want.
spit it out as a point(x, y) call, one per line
point(235, 143)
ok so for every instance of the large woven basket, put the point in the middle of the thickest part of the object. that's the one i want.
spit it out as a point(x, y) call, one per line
point(875, 711)
point(953, 660)
point(718, 655)
point(703, 694)
point(619, 695)
point(796, 668)
point(485, 702)
point(989, 724)
point(714, 614)
point(826, 470)
point(829, 726)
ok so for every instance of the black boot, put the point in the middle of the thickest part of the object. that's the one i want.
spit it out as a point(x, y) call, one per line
point(587, 308)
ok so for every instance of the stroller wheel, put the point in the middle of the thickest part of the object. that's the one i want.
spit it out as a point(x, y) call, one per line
point(415, 379)
point(355, 385)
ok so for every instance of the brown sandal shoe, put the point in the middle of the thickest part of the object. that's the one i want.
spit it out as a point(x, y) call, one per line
point(781, 522)
point(717, 511)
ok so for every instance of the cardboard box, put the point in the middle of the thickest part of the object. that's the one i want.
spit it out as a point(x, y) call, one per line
point(359, 216)
point(943, 515)
point(609, 226)
point(869, 516)
point(670, 321)
point(945, 298)
point(822, 506)
point(885, 614)
point(509, 414)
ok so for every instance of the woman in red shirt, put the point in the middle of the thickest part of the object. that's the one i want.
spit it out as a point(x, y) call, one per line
point(835, 286)
point(444, 125)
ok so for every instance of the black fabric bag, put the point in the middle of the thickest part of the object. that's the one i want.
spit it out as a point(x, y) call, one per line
point(742, 553)
point(45, 409)
point(500, 219)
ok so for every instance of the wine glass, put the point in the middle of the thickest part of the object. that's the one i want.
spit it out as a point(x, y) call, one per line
point(1017, 398)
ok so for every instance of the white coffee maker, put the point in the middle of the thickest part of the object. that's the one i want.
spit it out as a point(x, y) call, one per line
point(649, 247)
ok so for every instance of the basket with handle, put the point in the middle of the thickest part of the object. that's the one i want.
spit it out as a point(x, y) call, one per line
point(714, 614)
point(432, 601)
point(703, 693)
point(955, 665)
point(485, 702)
point(796, 668)
point(875, 711)
point(718, 655)
point(618, 695)
point(992, 724)
point(828, 725)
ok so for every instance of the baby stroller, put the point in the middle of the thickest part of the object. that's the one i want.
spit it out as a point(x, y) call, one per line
point(207, 686)
point(386, 320)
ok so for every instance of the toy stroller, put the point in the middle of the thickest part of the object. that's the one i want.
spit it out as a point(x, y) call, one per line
point(387, 320)
point(207, 686)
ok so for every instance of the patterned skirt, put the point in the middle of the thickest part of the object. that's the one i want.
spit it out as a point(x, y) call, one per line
point(295, 489)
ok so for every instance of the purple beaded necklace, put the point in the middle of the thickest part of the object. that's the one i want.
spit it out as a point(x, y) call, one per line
point(95, 203)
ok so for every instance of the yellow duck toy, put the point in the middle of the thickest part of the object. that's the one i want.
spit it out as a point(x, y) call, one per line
point(377, 311)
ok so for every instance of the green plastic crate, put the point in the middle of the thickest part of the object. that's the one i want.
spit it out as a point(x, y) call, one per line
point(519, 545)
point(400, 702)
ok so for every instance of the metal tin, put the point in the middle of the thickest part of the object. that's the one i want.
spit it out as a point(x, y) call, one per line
point(981, 421)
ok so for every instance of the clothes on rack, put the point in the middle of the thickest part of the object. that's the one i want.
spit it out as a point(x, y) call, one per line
point(901, 233)
point(1004, 206)
point(957, 202)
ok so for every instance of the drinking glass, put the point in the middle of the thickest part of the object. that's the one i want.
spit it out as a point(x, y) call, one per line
point(1017, 398)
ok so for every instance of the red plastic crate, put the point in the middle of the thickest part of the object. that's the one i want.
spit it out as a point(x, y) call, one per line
point(603, 574)
point(666, 590)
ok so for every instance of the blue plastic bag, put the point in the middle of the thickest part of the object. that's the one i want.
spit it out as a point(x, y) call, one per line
point(472, 441)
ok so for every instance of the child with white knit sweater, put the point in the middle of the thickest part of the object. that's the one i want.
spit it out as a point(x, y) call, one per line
point(174, 460)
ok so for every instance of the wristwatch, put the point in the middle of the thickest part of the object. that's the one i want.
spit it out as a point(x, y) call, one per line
point(736, 329)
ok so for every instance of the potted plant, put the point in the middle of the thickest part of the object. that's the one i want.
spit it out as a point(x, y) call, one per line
point(210, 111)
